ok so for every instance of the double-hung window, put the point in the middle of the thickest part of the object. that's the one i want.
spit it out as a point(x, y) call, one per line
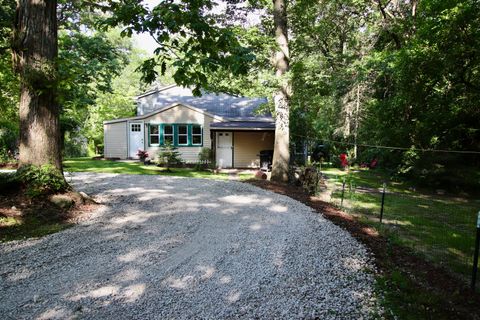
point(196, 135)
point(154, 135)
point(182, 134)
point(167, 134)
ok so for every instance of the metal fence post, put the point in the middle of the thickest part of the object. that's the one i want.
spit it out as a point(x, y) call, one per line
point(343, 193)
point(475, 255)
point(383, 202)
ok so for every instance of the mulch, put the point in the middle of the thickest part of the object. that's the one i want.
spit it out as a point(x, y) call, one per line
point(458, 301)
point(8, 165)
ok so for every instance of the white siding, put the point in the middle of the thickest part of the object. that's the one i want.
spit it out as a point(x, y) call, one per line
point(184, 115)
point(115, 140)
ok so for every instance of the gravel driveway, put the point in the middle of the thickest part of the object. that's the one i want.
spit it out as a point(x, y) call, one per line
point(181, 248)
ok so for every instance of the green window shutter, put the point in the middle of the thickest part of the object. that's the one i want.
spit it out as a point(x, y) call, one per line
point(161, 134)
point(148, 134)
point(175, 134)
point(190, 131)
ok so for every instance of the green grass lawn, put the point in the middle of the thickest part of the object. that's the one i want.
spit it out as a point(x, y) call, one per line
point(31, 227)
point(107, 166)
point(439, 227)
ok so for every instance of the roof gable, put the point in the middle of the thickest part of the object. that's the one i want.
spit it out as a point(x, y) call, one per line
point(162, 109)
point(222, 105)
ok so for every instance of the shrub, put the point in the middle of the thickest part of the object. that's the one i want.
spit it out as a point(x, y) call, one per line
point(311, 180)
point(41, 180)
point(8, 141)
point(168, 156)
point(142, 154)
point(205, 159)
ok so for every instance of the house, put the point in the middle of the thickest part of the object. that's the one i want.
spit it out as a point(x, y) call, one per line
point(227, 124)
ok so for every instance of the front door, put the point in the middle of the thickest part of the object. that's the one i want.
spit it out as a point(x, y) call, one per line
point(224, 149)
point(136, 139)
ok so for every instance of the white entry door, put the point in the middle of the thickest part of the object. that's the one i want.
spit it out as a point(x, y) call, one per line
point(135, 139)
point(224, 150)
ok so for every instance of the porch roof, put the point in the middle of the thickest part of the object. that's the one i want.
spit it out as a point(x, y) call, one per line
point(243, 125)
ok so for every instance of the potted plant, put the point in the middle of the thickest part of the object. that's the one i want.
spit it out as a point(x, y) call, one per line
point(143, 155)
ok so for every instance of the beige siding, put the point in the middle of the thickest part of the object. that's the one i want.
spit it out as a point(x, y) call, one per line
point(115, 140)
point(184, 115)
point(247, 146)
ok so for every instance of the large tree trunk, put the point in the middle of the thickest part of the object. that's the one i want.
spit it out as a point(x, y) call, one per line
point(35, 49)
point(281, 155)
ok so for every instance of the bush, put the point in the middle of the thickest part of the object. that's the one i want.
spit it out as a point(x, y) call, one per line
point(41, 180)
point(142, 155)
point(74, 145)
point(205, 159)
point(8, 141)
point(168, 156)
point(311, 179)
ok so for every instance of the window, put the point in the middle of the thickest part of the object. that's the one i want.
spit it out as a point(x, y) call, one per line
point(136, 127)
point(182, 134)
point(185, 135)
point(196, 134)
point(168, 134)
point(154, 135)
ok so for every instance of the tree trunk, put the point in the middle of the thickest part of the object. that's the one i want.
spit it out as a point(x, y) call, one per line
point(35, 49)
point(281, 155)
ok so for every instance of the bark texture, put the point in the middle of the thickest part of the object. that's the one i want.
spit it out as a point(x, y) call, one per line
point(35, 49)
point(281, 155)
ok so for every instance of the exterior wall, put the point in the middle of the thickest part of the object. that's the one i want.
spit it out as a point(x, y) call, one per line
point(182, 115)
point(247, 146)
point(146, 104)
point(115, 140)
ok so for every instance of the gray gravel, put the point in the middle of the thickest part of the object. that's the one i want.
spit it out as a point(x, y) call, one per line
point(181, 248)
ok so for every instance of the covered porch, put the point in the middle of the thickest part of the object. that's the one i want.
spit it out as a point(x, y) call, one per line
point(238, 144)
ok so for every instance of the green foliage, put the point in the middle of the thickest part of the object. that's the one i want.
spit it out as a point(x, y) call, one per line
point(8, 139)
point(205, 159)
point(168, 156)
point(41, 180)
point(9, 83)
point(117, 103)
point(190, 41)
point(89, 63)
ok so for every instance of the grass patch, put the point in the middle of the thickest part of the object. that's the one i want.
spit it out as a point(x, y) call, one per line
point(438, 227)
point(29, 227)
point(107, 166)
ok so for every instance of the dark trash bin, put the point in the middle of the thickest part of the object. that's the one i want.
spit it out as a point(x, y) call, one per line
point(266, 159)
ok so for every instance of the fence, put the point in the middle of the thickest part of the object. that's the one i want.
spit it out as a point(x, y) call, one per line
point(440, 228)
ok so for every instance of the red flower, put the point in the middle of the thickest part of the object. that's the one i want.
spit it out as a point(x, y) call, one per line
point(343, 160)
point(142, 154)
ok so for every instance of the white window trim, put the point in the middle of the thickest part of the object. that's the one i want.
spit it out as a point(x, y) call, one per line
point(154, 134)
point(168, 134)
point(182, 134)
point(197, 134)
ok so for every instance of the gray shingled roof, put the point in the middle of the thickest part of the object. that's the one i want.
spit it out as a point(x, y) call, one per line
point(223, 105)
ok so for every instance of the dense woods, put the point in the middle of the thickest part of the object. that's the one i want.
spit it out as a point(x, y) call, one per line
point(400, 74)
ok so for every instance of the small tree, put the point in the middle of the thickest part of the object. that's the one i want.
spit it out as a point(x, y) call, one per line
point(168, 156)
point(205, 159)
